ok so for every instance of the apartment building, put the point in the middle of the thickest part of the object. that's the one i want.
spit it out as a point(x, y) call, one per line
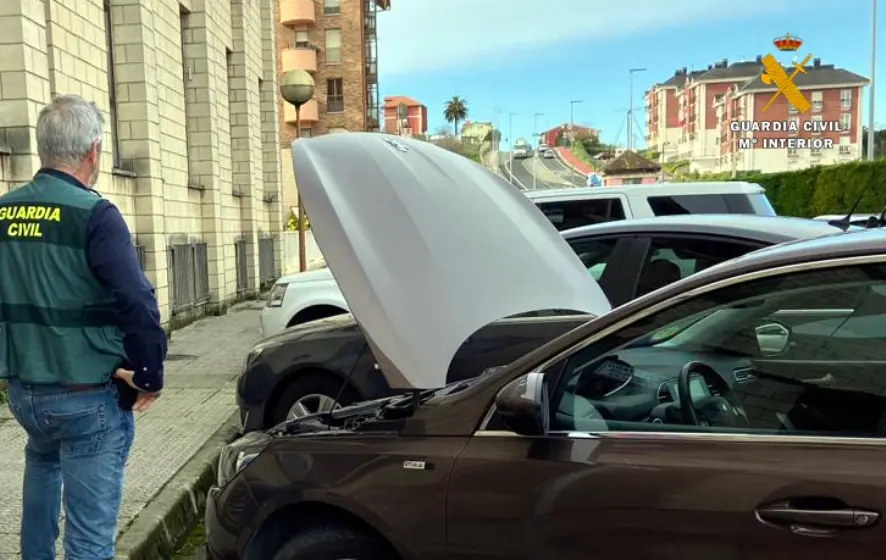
point(334, 40)
point(835, 97)
point(689, 117)
point(404, 116)
point(191, 153)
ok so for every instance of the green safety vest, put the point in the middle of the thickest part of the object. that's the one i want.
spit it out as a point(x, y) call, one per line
point(57, 323)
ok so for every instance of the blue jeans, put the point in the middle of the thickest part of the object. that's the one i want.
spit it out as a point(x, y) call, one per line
point(78, 442)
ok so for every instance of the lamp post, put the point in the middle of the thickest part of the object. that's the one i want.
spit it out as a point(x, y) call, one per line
point(631, 72)
point(535, 153)
point(297, 88)
point(871, 103)
point(495, 112)
point(511, 152)
point(572, 105)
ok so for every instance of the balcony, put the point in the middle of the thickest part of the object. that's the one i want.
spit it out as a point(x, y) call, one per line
point(300, 59)
point(309, 113)
point(297, 12)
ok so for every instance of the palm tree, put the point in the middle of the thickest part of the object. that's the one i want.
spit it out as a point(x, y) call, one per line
point(456, 111)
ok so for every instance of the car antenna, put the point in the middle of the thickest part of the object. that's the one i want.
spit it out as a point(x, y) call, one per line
point(844, 222)
point(881, 219)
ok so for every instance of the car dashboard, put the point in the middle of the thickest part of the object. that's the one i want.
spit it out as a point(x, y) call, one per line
point(638, 385)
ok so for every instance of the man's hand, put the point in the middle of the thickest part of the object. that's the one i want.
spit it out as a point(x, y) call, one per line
point(144, 399)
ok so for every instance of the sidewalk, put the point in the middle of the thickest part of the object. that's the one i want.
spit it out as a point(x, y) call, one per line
point(198, 400)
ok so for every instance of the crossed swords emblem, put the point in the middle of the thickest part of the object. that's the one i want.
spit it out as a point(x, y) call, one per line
point(775, 74)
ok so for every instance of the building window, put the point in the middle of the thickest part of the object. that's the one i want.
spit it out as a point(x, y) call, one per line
point(817, 102)
point(335, 96)
point(845, 121)
point(112, 87)
point(844, 146)
point(305, 132)
point(794, 124)
point(792, 152)
point(333, 46)
point(331, 7)
point(301, 39)
point(845, 98)
point(815, 127)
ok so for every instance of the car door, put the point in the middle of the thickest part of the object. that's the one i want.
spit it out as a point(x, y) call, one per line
point(609, 482)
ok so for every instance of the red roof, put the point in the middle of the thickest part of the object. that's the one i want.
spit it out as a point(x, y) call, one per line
point(391, 100)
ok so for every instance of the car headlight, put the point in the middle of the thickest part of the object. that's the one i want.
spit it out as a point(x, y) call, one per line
point(235, 456)
point(275, 297)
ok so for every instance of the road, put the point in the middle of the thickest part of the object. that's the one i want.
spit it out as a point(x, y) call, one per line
point(566, 174)
point(550, 173)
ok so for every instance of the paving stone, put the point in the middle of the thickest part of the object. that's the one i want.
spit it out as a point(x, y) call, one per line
point(197, 399)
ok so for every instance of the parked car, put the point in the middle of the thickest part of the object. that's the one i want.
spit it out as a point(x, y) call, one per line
point(304, 369)
point(299, 298)
point(663, 422)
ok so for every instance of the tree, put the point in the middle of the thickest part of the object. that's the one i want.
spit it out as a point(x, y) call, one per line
point(592, 145)
point(455, 111)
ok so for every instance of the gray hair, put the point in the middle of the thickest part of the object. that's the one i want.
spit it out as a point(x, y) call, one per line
point(67, 129)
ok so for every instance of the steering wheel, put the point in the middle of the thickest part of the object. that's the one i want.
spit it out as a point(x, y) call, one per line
point(720, 410)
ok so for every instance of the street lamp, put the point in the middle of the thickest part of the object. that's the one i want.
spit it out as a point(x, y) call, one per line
point(297, 88)
point(535, 154)
point(511, 153)
point(631, 72)
point(871, 103)
point(572, 120)
point(495, 112)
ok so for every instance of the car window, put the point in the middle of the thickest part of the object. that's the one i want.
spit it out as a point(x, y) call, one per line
point(744, 371)
point(576, 213)
point(673, 258)
point(594, 253)
point(711, 204)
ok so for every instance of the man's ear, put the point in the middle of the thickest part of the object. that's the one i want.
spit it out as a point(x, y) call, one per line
point(95, 152)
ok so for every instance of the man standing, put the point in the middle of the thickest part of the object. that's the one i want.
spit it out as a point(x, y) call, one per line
point(81, 343)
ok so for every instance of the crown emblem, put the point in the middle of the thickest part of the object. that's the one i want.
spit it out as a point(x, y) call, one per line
point(787, 43)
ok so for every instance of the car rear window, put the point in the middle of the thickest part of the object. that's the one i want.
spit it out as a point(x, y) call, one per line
point(711, 204)
point(576, 213)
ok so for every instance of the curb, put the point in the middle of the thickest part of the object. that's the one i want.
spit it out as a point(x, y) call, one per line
point(171, 514)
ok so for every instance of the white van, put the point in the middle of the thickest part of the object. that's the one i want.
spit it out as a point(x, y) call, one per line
point(575, 207)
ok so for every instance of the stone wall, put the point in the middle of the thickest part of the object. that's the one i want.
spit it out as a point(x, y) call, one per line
point(191, 150)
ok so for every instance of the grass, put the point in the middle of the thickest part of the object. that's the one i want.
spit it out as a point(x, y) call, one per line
point(193, 544)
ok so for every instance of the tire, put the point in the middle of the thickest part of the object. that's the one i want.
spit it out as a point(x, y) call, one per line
point(334, 543)
point(326, 384)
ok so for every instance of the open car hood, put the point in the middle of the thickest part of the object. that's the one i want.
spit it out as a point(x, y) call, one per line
point(428, 247)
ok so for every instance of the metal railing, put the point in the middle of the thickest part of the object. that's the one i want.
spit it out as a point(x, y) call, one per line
point(267, 268)
point(188, 275)
point(240, 258)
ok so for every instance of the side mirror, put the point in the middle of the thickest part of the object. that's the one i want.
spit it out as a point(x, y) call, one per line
point(773, 338)
point(522, 405)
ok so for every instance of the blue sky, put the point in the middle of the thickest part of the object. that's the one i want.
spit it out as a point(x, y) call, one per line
point(526, 56)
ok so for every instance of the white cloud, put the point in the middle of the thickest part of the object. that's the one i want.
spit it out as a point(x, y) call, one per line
point(422, 35)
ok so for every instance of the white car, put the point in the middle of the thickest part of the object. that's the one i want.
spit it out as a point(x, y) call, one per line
point(299, 298)
point(521, 152)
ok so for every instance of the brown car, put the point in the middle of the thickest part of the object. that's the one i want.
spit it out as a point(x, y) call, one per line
point(737, 413)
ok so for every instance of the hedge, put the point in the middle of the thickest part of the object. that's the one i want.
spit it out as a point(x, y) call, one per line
point(820, 190)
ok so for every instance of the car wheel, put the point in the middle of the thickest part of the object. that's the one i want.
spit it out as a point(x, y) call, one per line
point(310, 394)
point(334, 543)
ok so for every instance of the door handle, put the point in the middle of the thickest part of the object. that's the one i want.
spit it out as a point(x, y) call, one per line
point(815, 522)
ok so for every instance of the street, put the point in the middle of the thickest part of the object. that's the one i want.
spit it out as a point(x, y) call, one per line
point(548, 173)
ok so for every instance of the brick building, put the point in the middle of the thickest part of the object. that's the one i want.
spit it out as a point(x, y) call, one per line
point(334, 40)
point(191, 154)
point(404, 116)
point(562, 135)
point(690, 115)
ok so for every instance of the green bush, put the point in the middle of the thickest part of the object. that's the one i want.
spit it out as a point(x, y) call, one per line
point(819, 190)
point(578, 149)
